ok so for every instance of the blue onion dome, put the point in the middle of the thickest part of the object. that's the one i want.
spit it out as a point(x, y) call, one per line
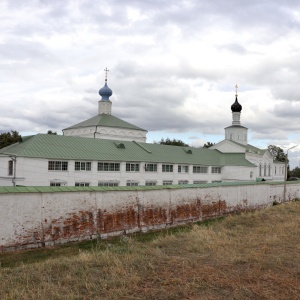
point(105, 92)
point(236, 107)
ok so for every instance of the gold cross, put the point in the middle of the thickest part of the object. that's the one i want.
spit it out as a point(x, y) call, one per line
point(106, 70)
point(236, 88)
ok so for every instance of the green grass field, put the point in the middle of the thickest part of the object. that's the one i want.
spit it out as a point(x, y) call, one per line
point(253, 255)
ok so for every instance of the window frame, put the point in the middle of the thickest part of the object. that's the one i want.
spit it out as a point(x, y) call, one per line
point(55, 183)
point(150, 183)
point(108, 183)
point(216, 170)
point(83, 166)
point(150, 167)
point(82, 183)
point(132, 167)
point(183, 168)
point(10, 167)
point(199, 181)
point(108, 166)
point(183, 182)
point(58, 165)
point(167, 168)
point(132, 183)
point(167, 182)
point(200, 169)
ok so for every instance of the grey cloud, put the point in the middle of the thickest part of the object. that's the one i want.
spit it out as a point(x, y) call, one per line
point(236, 48)
point(289, 110)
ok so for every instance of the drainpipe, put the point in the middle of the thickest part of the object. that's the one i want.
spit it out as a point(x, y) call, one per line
point(14, 159)
point(95, 132)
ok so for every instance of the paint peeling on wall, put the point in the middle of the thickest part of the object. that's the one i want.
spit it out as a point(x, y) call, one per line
point(67, 217)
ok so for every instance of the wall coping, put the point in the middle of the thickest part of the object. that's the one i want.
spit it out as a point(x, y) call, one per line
point(56, 189)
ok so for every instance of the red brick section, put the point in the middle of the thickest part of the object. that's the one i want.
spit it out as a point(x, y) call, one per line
point(87, 224)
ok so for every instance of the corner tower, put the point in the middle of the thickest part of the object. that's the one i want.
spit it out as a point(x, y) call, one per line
point(236, 132)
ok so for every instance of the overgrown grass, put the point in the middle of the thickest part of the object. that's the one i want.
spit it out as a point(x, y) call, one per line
point(248, 256)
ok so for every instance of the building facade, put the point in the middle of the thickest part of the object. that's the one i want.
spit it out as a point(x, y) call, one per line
point(236, 137)
point(107, 151)
point(105, 125)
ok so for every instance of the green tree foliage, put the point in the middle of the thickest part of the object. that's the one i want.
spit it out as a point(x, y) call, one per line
point(277, 153)
point(52, 132)
point(8, 138)
point(173, 142)
point(208, 145)
point(295, 172)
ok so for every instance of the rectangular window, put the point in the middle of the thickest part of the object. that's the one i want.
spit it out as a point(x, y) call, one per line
point(183, 169)
point(167, 182)
point(109, 167)
point(108, 183)
point(216, 181)
point(83, 166)
point(150, 183)
point(82, 184)
point(132, 167)
point(150, 167)
point(199, 169)
point(183, 182)
point(10, 167)
point(199, 181)
point(216, 170)
point(132, 183)
point(167, 168)
point(55, 184)
point(57, 165)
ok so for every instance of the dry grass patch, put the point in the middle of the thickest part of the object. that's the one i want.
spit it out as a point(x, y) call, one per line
point(249, 256)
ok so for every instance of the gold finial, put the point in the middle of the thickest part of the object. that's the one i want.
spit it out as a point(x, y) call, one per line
point(106, 70)
point(236, 88)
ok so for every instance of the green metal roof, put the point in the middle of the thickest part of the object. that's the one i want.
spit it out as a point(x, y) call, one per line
point(106, 121)
point(56, 189)
point(250, 148)
point(61, 147)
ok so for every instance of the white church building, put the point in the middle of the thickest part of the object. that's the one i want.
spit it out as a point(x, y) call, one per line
point(107, 151)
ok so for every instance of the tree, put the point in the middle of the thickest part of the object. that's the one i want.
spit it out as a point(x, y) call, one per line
point(208, 145)
point(294, 173)
point(277, 153)
point(8, 138)
point(52, 132)
point(173, 142)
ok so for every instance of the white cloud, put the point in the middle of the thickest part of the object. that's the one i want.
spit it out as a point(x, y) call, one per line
point(173, 65)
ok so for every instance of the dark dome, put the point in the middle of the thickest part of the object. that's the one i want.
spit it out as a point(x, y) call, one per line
point(105, 92)
point(236, 107)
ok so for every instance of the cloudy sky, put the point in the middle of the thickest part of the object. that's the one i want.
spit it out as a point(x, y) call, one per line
point(173, 66)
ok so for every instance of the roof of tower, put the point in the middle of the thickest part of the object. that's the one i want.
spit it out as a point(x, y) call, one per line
point(105, 92)
point(236, 106)
point(105, 121)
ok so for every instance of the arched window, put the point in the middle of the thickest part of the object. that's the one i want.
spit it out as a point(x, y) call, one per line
point(269, 170)
point(259, 169)
point(265, 169)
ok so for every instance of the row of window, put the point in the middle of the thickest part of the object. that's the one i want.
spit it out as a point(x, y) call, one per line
point(265, 169)
point(130, 167)
point(132, 183)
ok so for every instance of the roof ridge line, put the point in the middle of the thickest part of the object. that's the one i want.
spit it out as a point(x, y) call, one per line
point(144, 148)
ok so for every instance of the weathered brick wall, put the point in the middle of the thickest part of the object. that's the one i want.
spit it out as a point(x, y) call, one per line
point(29, 220)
